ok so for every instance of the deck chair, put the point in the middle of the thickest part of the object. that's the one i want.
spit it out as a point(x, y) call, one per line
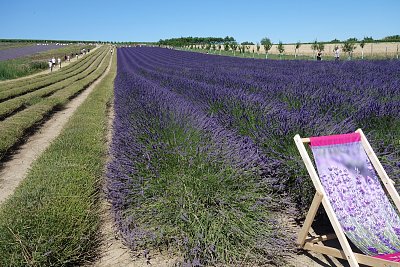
point(349, 186)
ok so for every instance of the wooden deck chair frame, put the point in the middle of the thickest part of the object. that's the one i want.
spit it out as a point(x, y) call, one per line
point(313, 243)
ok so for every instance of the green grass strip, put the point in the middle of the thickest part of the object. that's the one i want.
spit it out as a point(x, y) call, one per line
point(14, 128)
point(53, 217)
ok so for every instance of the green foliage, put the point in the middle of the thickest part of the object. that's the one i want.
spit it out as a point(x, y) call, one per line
point(226, 46)
point(353, 39)
point(280, 47)
point(368, 39)
point(314, 46)
point(298, 44)
point(348, 47)
point(392, 38)
point(247, 43)
point(258, 46)
point(320, 47)
point(335, 41)
point(185, 41)
point(266, 42)
point(234, 46)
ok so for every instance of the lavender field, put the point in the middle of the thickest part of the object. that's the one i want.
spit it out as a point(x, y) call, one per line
point(203, 158)
point(24, 51)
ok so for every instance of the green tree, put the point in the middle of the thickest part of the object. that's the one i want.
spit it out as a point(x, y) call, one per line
point(298, 44)
point(280, 48)
point(314, 47)
point(226, 46)
point(320, 47)
point(258, 46)
point(234, 46)
point(348, 47)
point(266, 42)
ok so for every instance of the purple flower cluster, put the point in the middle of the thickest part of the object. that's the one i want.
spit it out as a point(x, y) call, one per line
point(24, 51)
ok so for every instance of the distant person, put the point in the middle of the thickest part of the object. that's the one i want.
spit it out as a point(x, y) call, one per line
point(59, 62)
point(53, 61)
point(319, 55)
point(111, 51)
point(77, 56)
point(336, 52)
point(69, 58)
point(50, 65)
point(88, 50)
point(65, 57)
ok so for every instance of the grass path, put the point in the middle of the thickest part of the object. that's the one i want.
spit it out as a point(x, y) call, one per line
point(14, 170)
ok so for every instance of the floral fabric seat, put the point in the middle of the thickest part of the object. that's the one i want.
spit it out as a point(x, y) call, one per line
point(355, 192)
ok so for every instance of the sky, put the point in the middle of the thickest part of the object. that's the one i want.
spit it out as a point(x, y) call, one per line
point(151, 20)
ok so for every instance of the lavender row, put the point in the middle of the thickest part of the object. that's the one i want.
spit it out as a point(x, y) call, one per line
point(144, 112)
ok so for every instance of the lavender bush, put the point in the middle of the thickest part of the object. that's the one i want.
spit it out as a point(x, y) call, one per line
point(237, 116)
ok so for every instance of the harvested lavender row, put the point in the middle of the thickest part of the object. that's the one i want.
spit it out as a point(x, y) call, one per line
point(179, 179)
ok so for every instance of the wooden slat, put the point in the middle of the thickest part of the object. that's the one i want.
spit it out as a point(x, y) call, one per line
point(309, 218)
point(327, 205)
point(321, 238)
point(363, 259)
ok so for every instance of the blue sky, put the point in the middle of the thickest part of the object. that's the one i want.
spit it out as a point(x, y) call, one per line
point(287, 21)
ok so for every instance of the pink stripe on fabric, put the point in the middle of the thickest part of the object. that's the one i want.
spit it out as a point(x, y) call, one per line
point(390, 257)
point(335, 139)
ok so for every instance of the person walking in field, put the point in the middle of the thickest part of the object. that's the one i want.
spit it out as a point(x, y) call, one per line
point(69, 58)
point(50, 65)
point(53, 61)
point(319, 55)
point(59, 62)
point(336, 52)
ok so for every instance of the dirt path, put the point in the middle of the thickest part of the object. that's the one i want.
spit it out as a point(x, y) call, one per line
point(63, 64)
point(16, 168)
